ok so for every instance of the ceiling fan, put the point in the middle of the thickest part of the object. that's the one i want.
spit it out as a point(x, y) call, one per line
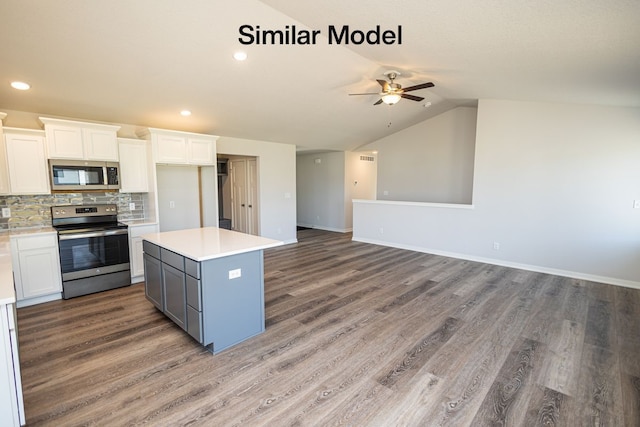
point(393, 92)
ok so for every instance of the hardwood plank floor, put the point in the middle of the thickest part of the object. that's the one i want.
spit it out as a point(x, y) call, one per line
point(357, 334)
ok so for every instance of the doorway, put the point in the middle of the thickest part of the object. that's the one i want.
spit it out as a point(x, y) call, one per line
point(239, 198)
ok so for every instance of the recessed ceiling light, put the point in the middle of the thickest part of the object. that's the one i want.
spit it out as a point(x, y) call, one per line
point(185, 113)
point(240, 56)
point(20, 85)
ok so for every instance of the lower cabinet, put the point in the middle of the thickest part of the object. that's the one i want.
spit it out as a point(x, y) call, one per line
point(153, 281)
point(36, 267)
point(217, 308)
point(175, 302)
point(11, 402)
point(136, 231)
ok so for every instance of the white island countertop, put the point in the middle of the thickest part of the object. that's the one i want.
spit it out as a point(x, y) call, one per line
point(201, 244)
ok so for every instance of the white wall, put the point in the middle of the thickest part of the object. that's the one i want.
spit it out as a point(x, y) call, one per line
point(321, 190)
point(178, 187)
point(326, 189)
point(554, 186)
point(360, 182)
point(277, 183)
point(431, 161)
point(209, 196)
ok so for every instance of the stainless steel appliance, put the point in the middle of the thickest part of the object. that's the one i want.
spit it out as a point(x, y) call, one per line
point(94, 248)
point(74, 175)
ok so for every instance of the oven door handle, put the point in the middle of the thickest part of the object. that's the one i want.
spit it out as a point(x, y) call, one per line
point(72, 236)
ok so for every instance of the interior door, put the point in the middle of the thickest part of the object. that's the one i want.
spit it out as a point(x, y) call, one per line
point(252, 193)
point(238, 172)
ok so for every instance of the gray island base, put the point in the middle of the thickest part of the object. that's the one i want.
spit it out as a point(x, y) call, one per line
point(209, 281)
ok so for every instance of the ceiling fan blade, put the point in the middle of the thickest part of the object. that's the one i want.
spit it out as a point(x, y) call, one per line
point(384, 84)
point(416, 87)
point(370, 93)
point(379, 102)
point(412, 97)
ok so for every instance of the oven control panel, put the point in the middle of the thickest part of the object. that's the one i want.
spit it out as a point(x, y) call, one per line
point(75, 211)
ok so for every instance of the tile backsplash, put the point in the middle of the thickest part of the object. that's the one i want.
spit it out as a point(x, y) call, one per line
point(35, 211)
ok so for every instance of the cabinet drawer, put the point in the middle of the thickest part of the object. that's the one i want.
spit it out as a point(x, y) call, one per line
point(151, 249)
point(192, 268)
point(172, 258)
point(194, 296)
point(194, 323)
point(26, 243)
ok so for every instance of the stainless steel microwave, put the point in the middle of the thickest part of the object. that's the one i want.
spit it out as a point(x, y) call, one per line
point(74, 175)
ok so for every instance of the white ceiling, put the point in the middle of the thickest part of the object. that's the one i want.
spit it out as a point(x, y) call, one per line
point(140, 62)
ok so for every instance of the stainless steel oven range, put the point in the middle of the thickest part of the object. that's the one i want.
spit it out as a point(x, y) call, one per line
point(94, 248)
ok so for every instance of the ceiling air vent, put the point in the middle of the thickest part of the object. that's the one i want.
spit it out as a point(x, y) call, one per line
point(367, 158)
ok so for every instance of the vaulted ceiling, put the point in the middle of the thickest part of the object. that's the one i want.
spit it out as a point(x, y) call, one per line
point(140, 62)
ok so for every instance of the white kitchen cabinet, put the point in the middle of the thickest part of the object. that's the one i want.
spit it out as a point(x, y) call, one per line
point(27, 161)
point(133, 166)
point(182, 148)
point(136, 256)
point(4, 167)
point(68, 139)
point(11, 401)
point(201, 151)
point(36, 267)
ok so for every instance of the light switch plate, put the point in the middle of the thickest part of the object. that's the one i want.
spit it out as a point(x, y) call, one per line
point(6, 212)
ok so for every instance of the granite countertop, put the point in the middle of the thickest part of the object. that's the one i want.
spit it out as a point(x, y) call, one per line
point(201, 244)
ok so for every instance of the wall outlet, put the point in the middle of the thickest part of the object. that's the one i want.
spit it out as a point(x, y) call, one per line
point(6, 212)
point(381, 230)
point(132, 206)
point(172, 204)
point(636, 204)
point(234, 274)
point(496, 246)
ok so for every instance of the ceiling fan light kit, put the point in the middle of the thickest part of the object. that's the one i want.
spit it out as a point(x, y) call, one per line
point(392, 92)
point(391, 98)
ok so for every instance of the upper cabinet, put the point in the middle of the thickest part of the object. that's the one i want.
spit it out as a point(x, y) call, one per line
point(27, 161)
point(133, 166)
point(4, 168)
point(182, 148)
point(68, 139)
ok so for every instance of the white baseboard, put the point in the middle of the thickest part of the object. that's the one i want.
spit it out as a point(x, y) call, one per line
point(38, 300)
point(319, 227)
point(528, 267)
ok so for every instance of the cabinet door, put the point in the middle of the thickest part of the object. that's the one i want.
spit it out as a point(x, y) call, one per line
point(202, 151)
point(153, 281)
point(137, 260)
point(175, 298)
point(172, 149)
point(4, 167)
point(64, 142)
point(133, 166)
point(27, 164)
point(39, 272)
point(100, 144)
point(11, 390)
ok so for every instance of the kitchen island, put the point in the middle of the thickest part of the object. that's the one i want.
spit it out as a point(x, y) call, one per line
point(209, 281)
